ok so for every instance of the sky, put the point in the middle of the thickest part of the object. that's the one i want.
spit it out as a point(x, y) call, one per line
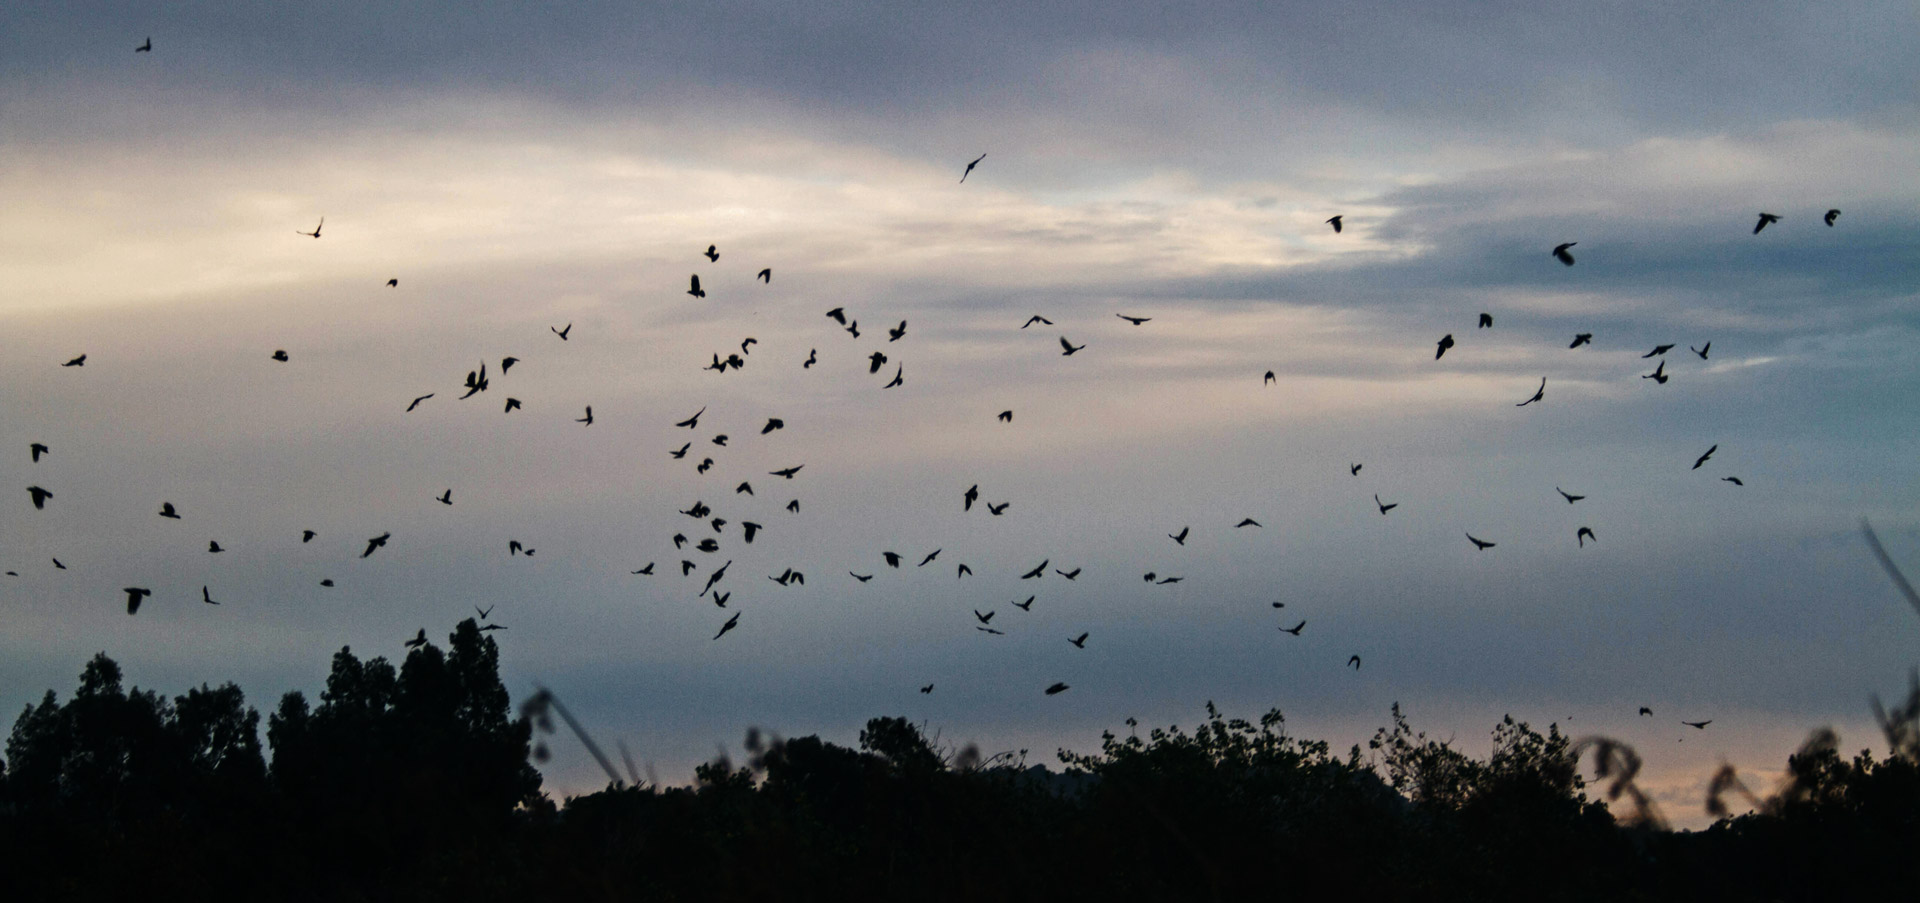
point(518, 168)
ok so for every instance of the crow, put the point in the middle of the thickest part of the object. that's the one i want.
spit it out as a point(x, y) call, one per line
point(1335, 223)
point(1560, 253)
point(970, 166)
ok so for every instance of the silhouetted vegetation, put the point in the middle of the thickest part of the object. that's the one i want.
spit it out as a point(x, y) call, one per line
point(415, 784)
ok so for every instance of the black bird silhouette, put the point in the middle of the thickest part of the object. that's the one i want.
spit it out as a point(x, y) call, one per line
point(860, 577)
point(694, 421)
point(789, 576)
point(1446, 341)
point(853, 329)
point(648, 570)
point(393, 283)
point(1295, 629)
point(970, 166)
point(695, 290)
point(813, 357)
point(1249, 522)
point(1025, 606)
point(1582, 338)
point(446, 499)
point(997, 510)
point(1702, 351)
point(893, 559)
point(1036, 318)
point(1166, 580)
point(1354, 661)
point(713, 253)
point(686, 567)
point(1659, 374)
point(715, 576)
point(1486, 321)
point(875, 361)
point(1560, 253)
point(967, 498)
point(145, 48)
point(1646, 711)
point(562, 333)
point(512, 403)
point(1734, 480)
point(1354, 469)
point(1037, 572)
point(80, 361)
point(838, 315)
point(588, 420)
point(1057, 689)
point(766, 276)
point(718, 365)
point(679, 539)
point(416, 402)
point(962, 571)
point(40, 497)
point(749, 340)
point(1700, 725)
point(898, 332)
point(1070, 347)
point(1180, 537)
point(134, 595)
point(898, 373)
point(1583, 534)
point(1006, 416)
point(677, 455)
point(1538, 394)
point(1079, 642)
point(37, 449)
point(991, 630)
point(377, 542)
point(1068, 574)
point(1335, 223)
point(1134, 320)
point(1480, 544)
point(57, 564)
point(307, 536)
point(419, 639)
point(750, 529)
point(706, 545)
point(1765, 218)
point(1268, 378)
point(1384, 508)
point(327, 583)
point(166, 510)
point(773, 423)
point(514, 547)
point(1570, 498)
point(280, 355)
point(206, 595)
point(213, 546)
point(794, 506)
point(984, 619)
point(316, 230)
point(930, 556)
point(720, 440)
point(1657, 351)
point(731, 623)
point(788, 472)
point(745, 487)
point(493, 627)
point(1831, 216)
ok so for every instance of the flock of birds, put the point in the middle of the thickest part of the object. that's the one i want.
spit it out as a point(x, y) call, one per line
point(709, 526)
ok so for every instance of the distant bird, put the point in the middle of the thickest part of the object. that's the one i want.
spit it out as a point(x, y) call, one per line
point(1657, 350)
point(967, 498)
point(316, 230)
point(1446, 341)
point(962, 571)
point(744, 487)
point(1038, 571)
point(1734, 480)
point(838, 315)
point(990, 630)
point(707, 545)
point(694, 421)
point(1701, 725)
point(562, 333)
point(57, 564)
point(328, 583)
point(446, 498)
point(206, 596)
point(512, 404)
point(380, 541)
point(1070, 347)
point(166, 510)
point(686, 567)
point(588, 420)
point(1025, 606)
point(789, 576)
point(1180, 537)
point(1079, 642)
point(1268, 378)
point(393, 283)
point(731, 623)
point(1646, 711)
point(1166, 580)
point(1538, 394)
point(677, 455)
point(514, 547)
point(749, 340)
point(984, 619)
point(1006, 416)
point(1057, 689)
point(1570, 498)
point(213, 546)
point(794, 506)
point(280, 355)
point(1560, 253)
point(788, 472)
point(1659, 374)
point(1583, 534)
point(134, 595)
point(1831, 216)
point(696, 292)
point(1480, 544)
point(144, 48)
point(1295, 629)
point(713, 253)
point(1766, 218)
point(898, 332)
point(813, 357)
point(893, 559)
point(875, 361)
point(853, 329)
point(307, 536)
point(80, 361)
point(1134, 320)
point(1036, 318)
point(419, 639)
point(750, 528)
point(493, 627)
point(648, 570)
point(970, 166)
point(997, 510)
point(897, 377)
point(714, 578)
point(1068, 574)
point(1335, 223)
point(766, 276)
point(1384, 508)
point(1355, 662)
point(930, 557)
point(679, 539)
point(927, 689)
point(773, 423)
point(416, 402)
point(1249, 522)
point(1354, 469)
point(1583, 338)
point(40, 497)
point(860, 577)
point(1486, 321)
point(1702, 351)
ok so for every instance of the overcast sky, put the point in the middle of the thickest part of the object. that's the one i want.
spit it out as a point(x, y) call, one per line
point(519, 167)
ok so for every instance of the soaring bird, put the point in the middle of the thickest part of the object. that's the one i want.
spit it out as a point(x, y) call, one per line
point(1700, 725)
point(714, 578)
point(280, 355)
point(838, 315)
point(377, 542)
point(1560, 253)
point(970, 166)
point(1079, 642)
point(1659, 374)
point(898, 332)
point(1702, 350)
point(166, 510)
point(1036, 318)
point(1069, 346)
point(316, 230)
point(677, 455)
point(512, 403)
point(860, 577)
point(1249, 522)
point(1025, 606)
point(148, 48)
point(1037, 572)
point(134, 595)
point(773, 423)
point(416, 402)
point(1480, 544)
point(713, 253)
point(898, 374)
point(1538, 394)
point(1766, 218)
point(962, 571)
point(1583, 534)
point(393, 283)
point(1057, 689)
point(694, 421)
point(1335, 223)
point(213, 546)
point(1486, 321)
point(929, 559)
point(893, 559)
point(1180, 537)
point(1354, 661)
point(588, 420)
point(695, 290)
point(731, 623)
point(1446, 341)
point(206, 595)
point(744, 487)
point(787, 472)
point(1734, 480)
point(708, 545)
point(328, 583)
point(648, 570)
point(1570, 498)
point(967, 498)
point(997, 510)
point(419, 639)
point(766, 276)
point(57, 564)
point(1646, 711)
point(794, 506)
point(40, 497)
point(1068, 574)
point(80, 361)
point(1005, 416)
point(1384, 508)
point(1582, 338)
point(1134, 320)
point(1295, 629)
point(990, 630)
point(446, 498)
point(984, 619)
point(1166, 580)
point(562, 333)
point(1831, 216)
point(1657, 351)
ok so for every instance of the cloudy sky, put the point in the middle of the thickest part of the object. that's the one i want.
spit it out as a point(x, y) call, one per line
point(518, 168)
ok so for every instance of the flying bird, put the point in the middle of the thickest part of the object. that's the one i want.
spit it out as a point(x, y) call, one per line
point(991, 630)
point(206, 596)
point(512, 403)
point(789, 576)
point(1480, 544)
point(1582, 338)
point(927, 689)
point(419, 639)
point(813, 357)
point(166, 510)
point(708, 545)
point(838, 315)
point(1659, 374)
point(967, 498)
point(744, 487)
point(213, 546)
point(379, 541)
point(1079, 642)
point(853, 329)
point(1702, 351)
point(280, 355)
point(1446, 341)
point(1180, 537)
point(57, 564)
point(446, 498)
point(686, 567)
point(562, 333)
point(1354, 661)
point(694, 421)
point(997, 510)
point(962, 571)
point(1057, 689)
point(40, 497)
point(1134, 320)
point(1646, 711)
point(393, 283)
point(1335, 223)
point(875, 361)
point(1166, 580)
point(1354, 469)
point(1583, 534)
point(860, 577)
point(897, 374)
point(766, 276)
point(677, 455)
point(697, 293)
point(328, 583)
point(1699, 725)
point(749, 340)
point(1268, 378)
point(788, 472)
point(750, 529)
point(1734, 480)
point(588, 420)
point(984, 619)
point(1570, 498)
point(134, 595)
point(1831, 216)
point(1025, 606)
point(1766, 218)
point(930, 557)
point(731, 623)
point(713, 253)
point(897, 333)
point(1560, 253)
point(307, 536)
point(1037, 572)
point(794, 506)
point(714, 578)
point(970, 166)
point(416, 402)
point(1486, 321)
point(1249, 522)
point(1657, 350)
point(648, 570)
point(1070, 347)
point(1295, 629)
point(1036, 318)
point(514, 547)
point(1068, 574)
point(148, 48)
point(316, 230)
point(773, 423)
point(893, 559)
point(1538, 394)
point(1006, 416)
point(1384, 508)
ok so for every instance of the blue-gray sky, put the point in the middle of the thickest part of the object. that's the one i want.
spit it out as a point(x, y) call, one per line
point(519, 167)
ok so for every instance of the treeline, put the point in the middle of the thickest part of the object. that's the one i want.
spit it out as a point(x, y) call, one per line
point(415, 784)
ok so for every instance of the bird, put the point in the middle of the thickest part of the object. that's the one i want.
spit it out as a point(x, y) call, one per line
point(1005, 416)
point(1582, 338)
point(765, 275)
point(328, 583)
point(1702, 351)
point(1734, 480)
point(984, 619)
point(1180, 538)
point(813, 357)
point(588, 420)
point(1134, 320)
point(898, 332)
point(1025, 606)
point(853, 329)
point(1480, 544)
point(997, 510)
point(307, 536)
point(713, 253)
point(57, 564)
point(493, 627)
point(1384, 508)
point(991, 630)
point(708, 545)
point(1249, 522)
point(893, 559)
point(788, 472)
point(379, 541)
point(80, 361)
point(1486, 321)
point(789, 576)
point(1659, 374)
point(280, 355)
point(838, 315)
point(1079, 642)
point(393, 283)
point(213, 546)
point(144, 48)
point(1057, 689)
point(166, 510)
point(647, 571)
point(1295, 629)
point(562, 333)
point(1166, 580)
point(1646, 711)
point(693, 421)
point(514, 547)
point(206, 596)
point(1766, 218)
point(731, 623)
point(416, 402)
point(1570, 498)
point(897, 374)
point(927, 689)
point(419, 639)
point(1583, 534)
point(744, 487)
point(773, 423)
point(1068, 574)
point(714, 577)
point(679, 539)
point(316, 230)
point(1036, 318)
point(697, 293)
point(1831, 216)
point(970, 166)
point(699, 511)
point(930, 557)
point(860, 577)
point(1037, 572)
point(686, 567)
point(1354, 661)
point(875, 361)
point(1268, 378)
point(512, 403)
point(962, 571)
point(134, 596)
point(1354, 469)
point(749, 340)
point(1560, 253)
point(1070, 347)
point(749, 528)
point(794, 506)
point(1698, 725)
point(445, 498)
point(1446, 341)
point(1335, 223)
point(1538, 394)
point(40, 497)
point(1657, 350)
point(967, 498)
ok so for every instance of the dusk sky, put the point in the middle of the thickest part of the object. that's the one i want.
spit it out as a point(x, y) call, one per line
point(521, 167)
